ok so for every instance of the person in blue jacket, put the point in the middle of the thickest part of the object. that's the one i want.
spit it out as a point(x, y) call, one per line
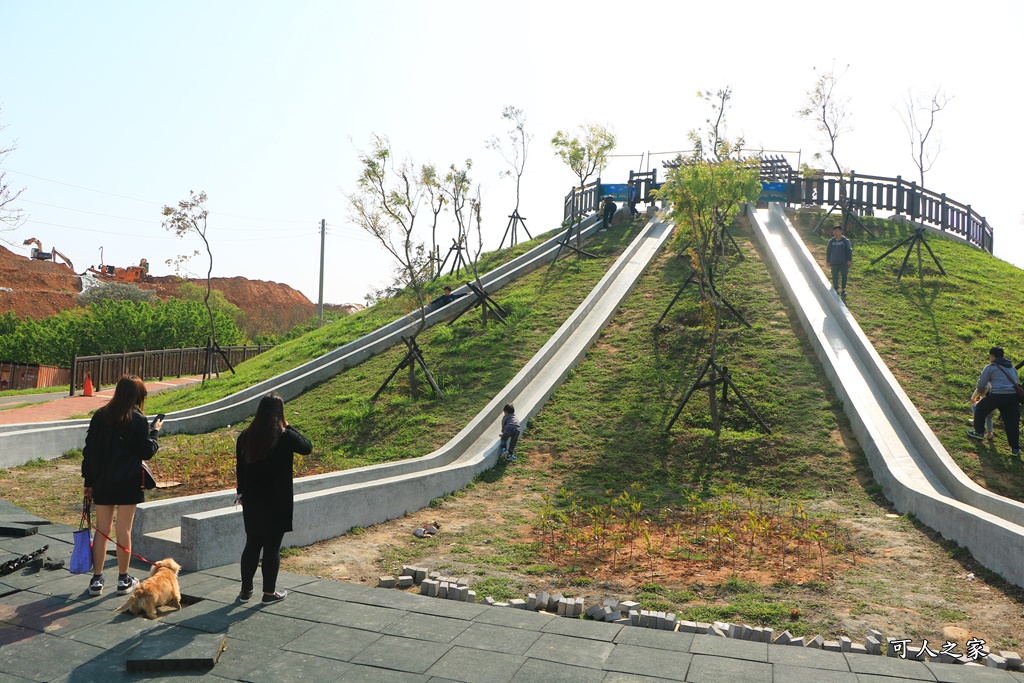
point(1002, 397)
point(839, 256)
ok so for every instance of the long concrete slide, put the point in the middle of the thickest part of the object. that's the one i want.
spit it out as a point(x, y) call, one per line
point(20, 443)
point(914, 470)
point(205, 530)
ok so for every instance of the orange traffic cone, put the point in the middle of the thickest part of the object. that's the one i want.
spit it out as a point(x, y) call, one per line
point(87, 391)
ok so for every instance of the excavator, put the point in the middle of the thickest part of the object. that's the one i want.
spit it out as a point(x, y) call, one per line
point(38, 254)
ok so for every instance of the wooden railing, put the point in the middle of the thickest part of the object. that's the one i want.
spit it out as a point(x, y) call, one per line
point(107, 368)
point(589, 199)
point(892, 194)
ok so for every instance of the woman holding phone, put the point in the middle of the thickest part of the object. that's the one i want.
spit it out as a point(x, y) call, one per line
point(263, 466)
point(119, 439)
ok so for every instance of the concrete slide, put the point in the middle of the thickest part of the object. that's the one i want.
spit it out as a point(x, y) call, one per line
point(205, 530)
point(915, 471)
point(20, 443)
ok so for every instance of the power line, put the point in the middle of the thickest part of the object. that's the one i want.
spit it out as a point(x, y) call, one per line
point(157, 237)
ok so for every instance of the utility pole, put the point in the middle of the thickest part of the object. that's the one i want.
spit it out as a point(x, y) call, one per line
point(323, 225)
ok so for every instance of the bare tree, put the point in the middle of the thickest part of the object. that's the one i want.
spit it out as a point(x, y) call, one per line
point(918, 115)
point(436, 199)
point(518, 146)
point(828, 111)
point(10, 215)
point(713, 143)
point(189, 216)
point(386, 206)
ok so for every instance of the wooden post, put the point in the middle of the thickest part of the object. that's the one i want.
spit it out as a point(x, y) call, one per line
point(74, 362)
point(99, 374)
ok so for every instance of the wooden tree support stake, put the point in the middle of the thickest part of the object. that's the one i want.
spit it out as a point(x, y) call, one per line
point(721, 376)
point(412, 355)
point(483, 299)
point(918, 238)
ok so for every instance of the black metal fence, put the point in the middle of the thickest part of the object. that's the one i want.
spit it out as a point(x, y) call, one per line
point(869, 193)
point(106, 369)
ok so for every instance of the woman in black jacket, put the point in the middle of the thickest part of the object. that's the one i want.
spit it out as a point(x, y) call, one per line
point(263, 468)
point(119, 439)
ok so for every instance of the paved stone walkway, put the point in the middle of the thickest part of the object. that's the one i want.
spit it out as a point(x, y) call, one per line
point(52, 630)
point(62, 406)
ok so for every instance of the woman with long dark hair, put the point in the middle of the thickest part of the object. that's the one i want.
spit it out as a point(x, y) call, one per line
point(119, 439)
point(263, 467)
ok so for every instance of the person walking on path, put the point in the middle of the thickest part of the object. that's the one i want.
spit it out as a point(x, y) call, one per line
point(264, 457)
point(118, 440)
point(839, 255)
point(608, 213)
point(1002, 397)
point(510, 430)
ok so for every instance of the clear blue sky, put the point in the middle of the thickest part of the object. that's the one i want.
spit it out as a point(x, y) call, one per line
point(118, 108)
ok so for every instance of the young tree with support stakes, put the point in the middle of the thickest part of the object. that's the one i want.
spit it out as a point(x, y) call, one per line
point(386, 206)
point(828, 111)
point(436, 200)
point(918, 115)
point(189, 216)
point(585, 154)
point(515, 156)
point(705, 197)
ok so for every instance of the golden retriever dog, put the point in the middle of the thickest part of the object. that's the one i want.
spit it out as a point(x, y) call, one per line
point(159, 590)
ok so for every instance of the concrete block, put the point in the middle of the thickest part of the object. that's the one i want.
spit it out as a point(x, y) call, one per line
point(798, 642)
point(627, 605)
point(858, 649)
point(670, 622)
point(560, 609)
point(404, 581)
point(542, 600)
point(831, 646)
point(420, 575)
point(442, 590)
point(578, 609)
point(994, 661)
point(645, 617)
point(733, 631)
point(701, 627)
point(688, 626)
point(877, 635)
point(531, 602)
point(488, 601)
point(553, 602)
point(783, 638)
point(746, 631)
point(435, 575)
point(873, 645)
point(408, 570)
point(470, 596)
point(715, 631)
point(816, 642)
point(517, 603)
point(634, 617)
point(386, 582)
point(1013, 660)
point(611, 614)
point(463, 581)
point(767, 635)
point(429, 588)
point(614, 604)
point(595, 612)
point(501, 604)
point(845, 644)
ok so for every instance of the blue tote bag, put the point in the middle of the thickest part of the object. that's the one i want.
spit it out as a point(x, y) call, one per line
point(81, 554)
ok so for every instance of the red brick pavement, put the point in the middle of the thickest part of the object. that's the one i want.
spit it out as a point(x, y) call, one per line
point(63, 408)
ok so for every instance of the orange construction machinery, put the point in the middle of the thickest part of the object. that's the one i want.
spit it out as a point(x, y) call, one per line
point(139, 273)
point(38, 254)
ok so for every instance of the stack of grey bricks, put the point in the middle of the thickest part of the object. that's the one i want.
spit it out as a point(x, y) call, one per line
point(629, 613)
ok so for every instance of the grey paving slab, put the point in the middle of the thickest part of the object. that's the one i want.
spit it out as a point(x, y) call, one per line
point(240, 657)
point(299, 606)
point(7, 678)
point(729, 647)
point(295, 667)
point(68, 586)
point(208, 616)
point(208, 585)
point(269, 629)
point(876, 678)
point(394, 599)
point(649, 662)
point(368, 674)
point(661, 640)
point(108, 668)
point(494, 638)
point(401, 654)
point(176, 649)
point(450, 608)
point(44, 657)
point(516, 618)
point(17, 606)
point(957, 673)
point(476, 666)
point(540, 671)
point(427, 627)
point(803, 656)
point(65, 617)
point(709, 669)
point(888, 666)
point(120, 632)
point(568, 650)
point(335, 590)
point(366, 617)
point(335, 642)
point(595, 630)
point(785, 673)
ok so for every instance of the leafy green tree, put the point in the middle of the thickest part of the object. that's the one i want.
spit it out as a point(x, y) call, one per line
point(705, 197)
point(828, 111)
point(189, 291)
point(115, 291)
point(584, 154)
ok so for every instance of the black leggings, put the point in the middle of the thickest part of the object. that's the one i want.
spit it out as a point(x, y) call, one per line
point(270, 545)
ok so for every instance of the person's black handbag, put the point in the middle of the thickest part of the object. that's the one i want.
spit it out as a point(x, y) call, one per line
point(1016, 385)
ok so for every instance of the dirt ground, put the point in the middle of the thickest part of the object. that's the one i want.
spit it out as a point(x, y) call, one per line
point(904, 581)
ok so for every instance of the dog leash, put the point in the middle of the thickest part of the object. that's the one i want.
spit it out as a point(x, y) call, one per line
point(87, 518)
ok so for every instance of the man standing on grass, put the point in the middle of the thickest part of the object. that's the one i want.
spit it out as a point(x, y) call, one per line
point(839, 255)
point(1002, 397)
